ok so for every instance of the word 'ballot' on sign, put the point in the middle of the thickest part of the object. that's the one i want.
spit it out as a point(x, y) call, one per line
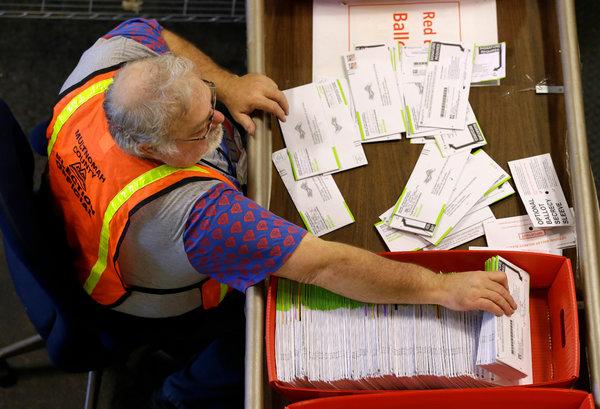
point(401, 30)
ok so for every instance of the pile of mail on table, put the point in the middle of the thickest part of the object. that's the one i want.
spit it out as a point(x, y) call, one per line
point(422, 93)
point(326, 341)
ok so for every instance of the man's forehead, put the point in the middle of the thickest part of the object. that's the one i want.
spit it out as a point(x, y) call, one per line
point(198, 117)
point(205, 91)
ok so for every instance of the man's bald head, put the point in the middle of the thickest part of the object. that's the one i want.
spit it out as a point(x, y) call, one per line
point(147, 98)
point(132, 84)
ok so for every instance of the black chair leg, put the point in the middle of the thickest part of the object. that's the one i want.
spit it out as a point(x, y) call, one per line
point(23, 346)
point(8, 377)
point(92, 390)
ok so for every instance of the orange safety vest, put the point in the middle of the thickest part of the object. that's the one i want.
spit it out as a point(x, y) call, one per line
point(98, 186)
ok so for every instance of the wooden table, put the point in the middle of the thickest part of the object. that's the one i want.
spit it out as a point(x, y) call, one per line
point(516, 122)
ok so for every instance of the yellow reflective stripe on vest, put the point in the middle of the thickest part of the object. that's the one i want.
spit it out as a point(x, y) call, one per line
point(119, 200)
point(80, 99)
point(224, 289)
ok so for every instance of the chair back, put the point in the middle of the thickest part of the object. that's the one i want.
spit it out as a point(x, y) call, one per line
point(39, 262)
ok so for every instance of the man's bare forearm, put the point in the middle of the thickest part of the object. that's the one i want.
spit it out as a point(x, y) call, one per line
point(210, 70)
point(242, 95)
point(367, 277)
point(360, 274)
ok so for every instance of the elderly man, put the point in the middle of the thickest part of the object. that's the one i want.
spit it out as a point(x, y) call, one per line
point(147, 172)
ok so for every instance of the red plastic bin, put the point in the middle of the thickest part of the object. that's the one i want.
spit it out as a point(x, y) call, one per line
point(496, 398)
point(552, 305)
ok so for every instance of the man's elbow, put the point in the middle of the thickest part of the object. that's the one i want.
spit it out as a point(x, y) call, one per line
point(308, 264)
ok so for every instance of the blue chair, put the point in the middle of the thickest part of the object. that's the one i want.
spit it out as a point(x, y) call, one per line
point(69, 324)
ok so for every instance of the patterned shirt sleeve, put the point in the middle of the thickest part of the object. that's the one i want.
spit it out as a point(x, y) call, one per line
point(145, 32)
point(235, 241)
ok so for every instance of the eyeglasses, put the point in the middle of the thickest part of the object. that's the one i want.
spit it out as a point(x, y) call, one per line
point(213, 95)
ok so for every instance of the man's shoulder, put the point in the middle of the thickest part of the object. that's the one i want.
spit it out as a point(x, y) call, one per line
point(165, 217)
point(177, 203)
point(147, 32)
point(106, 52)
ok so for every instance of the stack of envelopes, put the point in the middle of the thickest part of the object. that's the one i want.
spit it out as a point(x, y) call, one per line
point(326, 341)
point(422, 93)
point(446, 199)
point(390, 91)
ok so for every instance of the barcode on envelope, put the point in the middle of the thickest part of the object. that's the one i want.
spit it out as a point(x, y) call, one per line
point(512, 336)
point(444, 100)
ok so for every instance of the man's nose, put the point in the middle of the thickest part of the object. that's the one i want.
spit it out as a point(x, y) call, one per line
point(218, 117)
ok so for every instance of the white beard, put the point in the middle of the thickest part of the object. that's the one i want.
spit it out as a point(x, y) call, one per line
point(214, 138)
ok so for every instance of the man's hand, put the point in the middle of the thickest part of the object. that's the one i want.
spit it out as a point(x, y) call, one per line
point(477, 290)
point(243, 95)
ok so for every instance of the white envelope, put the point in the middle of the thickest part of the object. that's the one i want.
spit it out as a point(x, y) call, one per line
point(502, 191)
point(519, 233)
point(395, 239)
point(413, 64)
point(393, 137)
point(452, 141)
point(412, 94)
point(556, 252)
point(447, 83)
point(318, 199)
point(489, 62)
point(421, 140)
point(343, 130)
point(479, 176)
point(427, 191)
point(375, 91)
point(509, 352)
point(469, 228)
point(306, 133)
point(540, 191)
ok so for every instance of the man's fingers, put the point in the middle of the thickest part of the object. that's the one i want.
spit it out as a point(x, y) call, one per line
point(499, 277)
point(499, 288)
point(499, 301)
point(279, 97)
point(272, 107)
point(246, 122)
point(489, 306)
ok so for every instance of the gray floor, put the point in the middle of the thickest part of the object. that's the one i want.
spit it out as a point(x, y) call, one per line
point(35, 57)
